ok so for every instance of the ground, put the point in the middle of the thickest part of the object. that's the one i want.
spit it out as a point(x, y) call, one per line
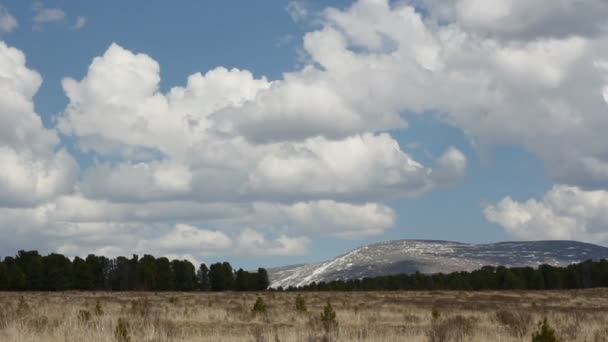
point(369, 316)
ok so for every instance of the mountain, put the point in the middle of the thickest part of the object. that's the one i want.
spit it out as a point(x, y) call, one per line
point(409, 256)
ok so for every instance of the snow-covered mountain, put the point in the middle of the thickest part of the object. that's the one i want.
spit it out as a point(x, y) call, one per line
point(408, 256)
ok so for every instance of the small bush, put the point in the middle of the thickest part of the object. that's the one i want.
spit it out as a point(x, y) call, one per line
point(516, 323)
point(257, 334)
point(328, 318)
point(98, 311)
point(435, 314)
point(544, 333)
point(141, 308)
point(300, 304)
point(121, 333)
point(457, 328)
point(259, 306)
point(22, 307)
point(84, 316)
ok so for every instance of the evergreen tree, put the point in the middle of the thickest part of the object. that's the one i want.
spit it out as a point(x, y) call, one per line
point(216, 277)
point(203, 278)
point(262, 280)
point(164, 275)
point(241, 281)
point(82, 275)
point(30, 263)
point(146, 273)
point(228, 275)
point(4, 284)
point(58, 272)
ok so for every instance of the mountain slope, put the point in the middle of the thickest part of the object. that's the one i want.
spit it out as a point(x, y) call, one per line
point(409, 256)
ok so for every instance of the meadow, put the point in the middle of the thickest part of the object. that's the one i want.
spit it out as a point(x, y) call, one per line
point(578, 315)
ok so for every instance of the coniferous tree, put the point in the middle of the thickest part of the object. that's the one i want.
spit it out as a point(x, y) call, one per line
point(30, 263)
point(227, 275)
point(241, 280)
point(203, 278)
point(147, 273)
point(4, 284)
point(165, 278)
point(82, 275)
point(216, 277)
point(58, 272)
point(262, 280)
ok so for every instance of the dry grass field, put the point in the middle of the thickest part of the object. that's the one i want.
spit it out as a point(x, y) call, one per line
point(376, 316)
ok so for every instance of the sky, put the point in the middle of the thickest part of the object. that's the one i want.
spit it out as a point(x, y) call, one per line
point(269, 133)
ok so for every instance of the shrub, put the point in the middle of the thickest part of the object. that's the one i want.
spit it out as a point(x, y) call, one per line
point(121, 333)
point(517, 323)
point(300, 304)
point(457, 328)
point(328, 318)
point(435, 314)
point(257, 334)
point(22, 307)
point(141, 308)
point(98, 310)
point(259, 306)
point(84, 316)
point(544, 333)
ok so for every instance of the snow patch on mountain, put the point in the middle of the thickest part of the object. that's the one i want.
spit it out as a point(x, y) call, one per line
point(409, 256)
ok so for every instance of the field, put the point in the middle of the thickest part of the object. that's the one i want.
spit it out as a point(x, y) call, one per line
point(374, 316)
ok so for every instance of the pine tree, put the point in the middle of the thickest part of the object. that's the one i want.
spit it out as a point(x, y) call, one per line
point(203, 278)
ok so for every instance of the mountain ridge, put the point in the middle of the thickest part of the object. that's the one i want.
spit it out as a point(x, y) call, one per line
point(434, 256)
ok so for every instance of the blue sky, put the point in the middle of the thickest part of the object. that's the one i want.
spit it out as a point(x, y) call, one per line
point(344, 123)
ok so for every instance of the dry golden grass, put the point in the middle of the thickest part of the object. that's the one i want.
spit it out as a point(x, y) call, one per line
point(374, 316)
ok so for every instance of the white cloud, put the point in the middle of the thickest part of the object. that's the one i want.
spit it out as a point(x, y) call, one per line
point(185, 237)
point(285, 156)
point(189, 129)
point(564, 213)
point(253, 243)
point(297, 10)
point(327, 217)
point(542, 91)
point(7, 21)
point(46, 15)
point(80, 23)
point(32, 170)
point(521, 19)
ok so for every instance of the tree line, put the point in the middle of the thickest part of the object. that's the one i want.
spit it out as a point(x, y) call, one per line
point(30, 271)
point(588, 274)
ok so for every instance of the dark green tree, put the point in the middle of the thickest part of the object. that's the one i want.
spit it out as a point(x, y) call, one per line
point(164, 275)
point(241, 280)
point(146, 273)
point(58, 270)
point(203, 278)
point(82, 275)
point(262, 280)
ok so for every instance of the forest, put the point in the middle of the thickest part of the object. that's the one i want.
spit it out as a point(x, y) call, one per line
point(30, 271)
point(588, 274)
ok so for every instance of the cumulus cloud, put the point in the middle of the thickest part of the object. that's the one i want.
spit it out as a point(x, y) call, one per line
point(190, 130)
point(564, 213)
point(542, 91)
point(311, 153)
point(327, 217)
point(7, 21)
point(521, 19)
point(79, 225)
point(33, 169)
